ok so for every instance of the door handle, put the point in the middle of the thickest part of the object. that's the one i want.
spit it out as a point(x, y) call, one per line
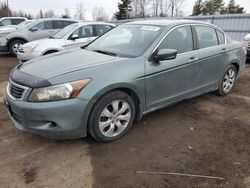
point(223, 50)
point(192, 59)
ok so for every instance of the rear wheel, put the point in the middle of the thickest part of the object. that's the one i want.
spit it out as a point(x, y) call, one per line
point(14, 46)
point(228, 81)
point(112, 116)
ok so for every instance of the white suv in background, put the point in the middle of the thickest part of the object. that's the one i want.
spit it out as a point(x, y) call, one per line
point(6, 21)
point(72, 36)
point(36, 29)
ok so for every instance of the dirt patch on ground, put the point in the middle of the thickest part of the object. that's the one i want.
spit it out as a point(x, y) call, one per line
point(208, 135)
point(32, 161)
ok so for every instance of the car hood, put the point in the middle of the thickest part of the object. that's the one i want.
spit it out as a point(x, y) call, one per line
point(46, 43)
point(57, 64)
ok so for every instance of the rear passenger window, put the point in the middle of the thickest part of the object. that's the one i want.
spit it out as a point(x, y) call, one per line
point(179, 39)
point(206, 36)
point(221, 37)
point(101, 29)
point(58, 24)
point(66, 23)
point(16, 21)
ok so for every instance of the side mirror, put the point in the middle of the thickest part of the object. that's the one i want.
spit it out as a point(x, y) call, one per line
point(34, 29)
point(165, 54)
point(74, 37)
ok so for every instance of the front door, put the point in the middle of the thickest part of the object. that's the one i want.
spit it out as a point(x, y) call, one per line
point(85, 34)
point(171, 80)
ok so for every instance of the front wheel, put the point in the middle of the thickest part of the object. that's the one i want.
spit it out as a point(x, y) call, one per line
point(228, 81)
point(112, 116)
point(14, 46)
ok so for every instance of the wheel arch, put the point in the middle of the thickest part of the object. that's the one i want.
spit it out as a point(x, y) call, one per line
point(237, 65)
point(16, 38)
point(126, 88)
point(48, 51)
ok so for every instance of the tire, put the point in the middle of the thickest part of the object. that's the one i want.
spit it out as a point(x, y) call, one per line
point(13, 46)
point(111, 117)
point(228, 81)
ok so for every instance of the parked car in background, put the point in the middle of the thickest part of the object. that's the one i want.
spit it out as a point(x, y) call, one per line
point(8, 29)
point(5, 21)
point(72, 36)
point(246, 42)
point(37, 29)
point(101, 89)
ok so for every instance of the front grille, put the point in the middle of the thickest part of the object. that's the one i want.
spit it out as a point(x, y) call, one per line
point(16, 92)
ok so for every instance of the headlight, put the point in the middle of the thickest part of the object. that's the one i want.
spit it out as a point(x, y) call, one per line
point(29, 49)
point(58, 92)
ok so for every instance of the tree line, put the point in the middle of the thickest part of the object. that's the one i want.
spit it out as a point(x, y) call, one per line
point(170, 8)
point(98, 13)
point(136, 9)
point(211, 7)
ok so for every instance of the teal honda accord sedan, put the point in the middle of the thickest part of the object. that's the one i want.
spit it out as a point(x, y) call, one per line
point(133, 69)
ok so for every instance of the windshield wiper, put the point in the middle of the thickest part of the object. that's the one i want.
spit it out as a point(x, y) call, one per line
point(105, 52)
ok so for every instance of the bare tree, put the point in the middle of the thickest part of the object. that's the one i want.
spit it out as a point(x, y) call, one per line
point(99, 14)
point(66, 13)
point(40, 13)
point(156, 6)
point(175, 6)
point(142, 5)
point(80, 11)
point(49, 14)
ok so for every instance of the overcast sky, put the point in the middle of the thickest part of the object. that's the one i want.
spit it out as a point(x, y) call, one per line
point(110, 6)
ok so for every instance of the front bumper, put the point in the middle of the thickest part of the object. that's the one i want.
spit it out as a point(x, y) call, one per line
point(4, 49)
point(27, 56)
point(3, 45)
point(55, 120)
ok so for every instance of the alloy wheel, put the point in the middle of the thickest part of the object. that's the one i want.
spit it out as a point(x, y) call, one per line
point(115, 118)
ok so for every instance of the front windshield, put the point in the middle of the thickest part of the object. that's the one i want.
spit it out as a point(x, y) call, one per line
point(23, 24)
point(126, 40)
point(60, 34)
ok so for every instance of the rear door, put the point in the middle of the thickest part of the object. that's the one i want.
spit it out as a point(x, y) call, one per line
point(172, 80)
point(212, 54)
point(85, 34)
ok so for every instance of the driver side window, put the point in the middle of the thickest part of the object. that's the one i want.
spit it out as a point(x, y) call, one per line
point(180, 39)
point(84, 32)
point(44, 25)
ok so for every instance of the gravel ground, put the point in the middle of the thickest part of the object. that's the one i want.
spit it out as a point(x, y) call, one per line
point(208, 135)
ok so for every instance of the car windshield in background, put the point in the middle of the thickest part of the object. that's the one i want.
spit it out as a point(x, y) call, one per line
point(126, 40)
point(63, 32)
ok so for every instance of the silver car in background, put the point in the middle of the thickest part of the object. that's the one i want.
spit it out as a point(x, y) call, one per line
point(37, 29)
point(72, 36)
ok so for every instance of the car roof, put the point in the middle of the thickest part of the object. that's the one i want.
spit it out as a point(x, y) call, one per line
point(63, 19)
point(166, 22)
point(93, 23)
point(13, 18)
